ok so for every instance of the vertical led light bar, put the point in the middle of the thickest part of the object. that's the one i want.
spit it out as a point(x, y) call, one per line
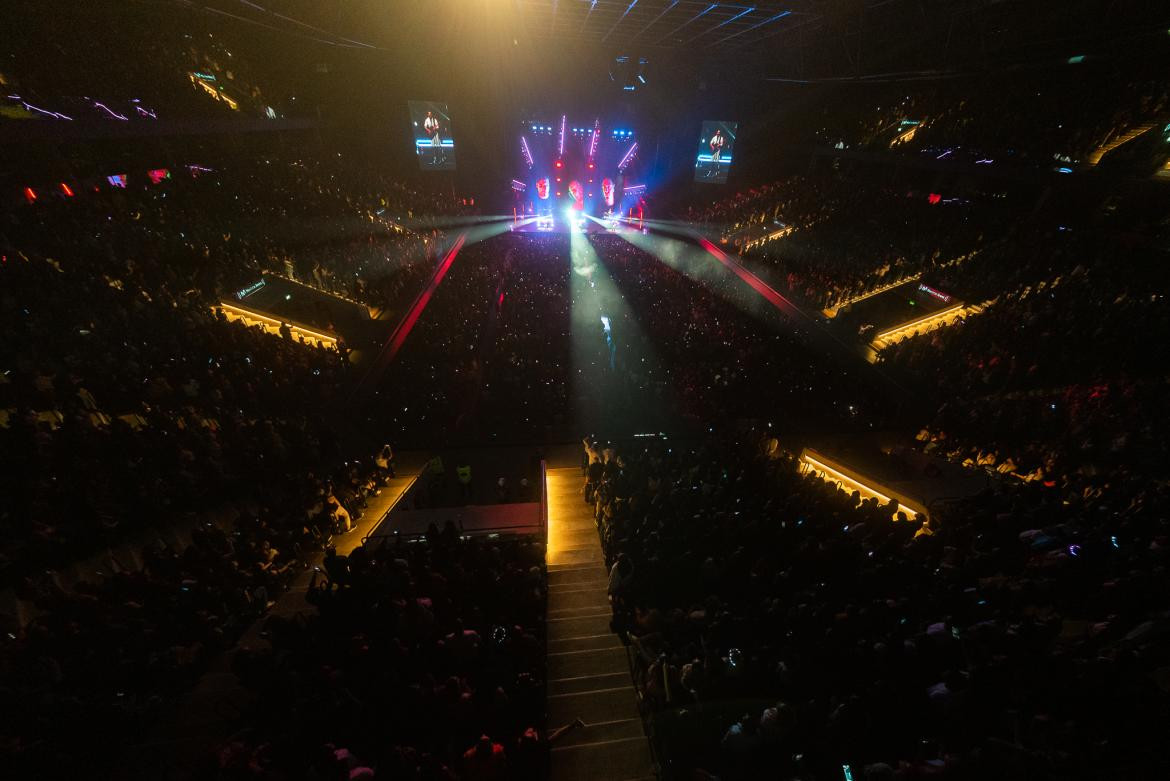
point(628, 157)
point(561, 149)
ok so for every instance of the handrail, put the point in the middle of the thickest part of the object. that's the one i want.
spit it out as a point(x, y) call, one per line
point(544, 498)
point(401, 496)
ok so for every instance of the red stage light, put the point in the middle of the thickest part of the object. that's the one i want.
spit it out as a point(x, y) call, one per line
point(559, 164)
point(591, 166)
point(558, 178)
point(66, 189)
point(30, 194)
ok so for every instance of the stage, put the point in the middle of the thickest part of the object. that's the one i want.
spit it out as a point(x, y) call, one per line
point(578, 223)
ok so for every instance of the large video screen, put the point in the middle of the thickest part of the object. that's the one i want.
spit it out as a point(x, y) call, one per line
point(434, 140)
point(716, 145)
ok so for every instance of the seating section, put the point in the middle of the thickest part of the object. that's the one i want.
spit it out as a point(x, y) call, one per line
point(169, 473)
point(967, 274)
point(783, 630)
point(439, 647)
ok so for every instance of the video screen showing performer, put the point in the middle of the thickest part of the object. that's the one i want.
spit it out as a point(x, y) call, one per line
point(716, 143)
point(434, 142)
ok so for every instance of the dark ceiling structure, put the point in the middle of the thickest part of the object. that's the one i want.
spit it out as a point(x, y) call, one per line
point(798, 38)
point(663, 24)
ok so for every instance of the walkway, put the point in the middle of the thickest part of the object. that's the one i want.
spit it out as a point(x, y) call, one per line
point(588, 674)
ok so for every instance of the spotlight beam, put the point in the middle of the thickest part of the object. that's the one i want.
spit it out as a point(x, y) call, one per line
point(775, 18)
point(665, 11)
point(604, 344)
point(727, 21)
point(619, 21)
point(694, 18)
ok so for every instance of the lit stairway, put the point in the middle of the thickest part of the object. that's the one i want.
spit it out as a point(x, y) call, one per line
point(588, 675)
point(1118, 140)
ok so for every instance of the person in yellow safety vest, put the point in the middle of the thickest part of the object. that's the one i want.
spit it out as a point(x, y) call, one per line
point(463, 472)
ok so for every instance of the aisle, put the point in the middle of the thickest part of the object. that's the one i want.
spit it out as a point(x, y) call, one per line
point(588, 675)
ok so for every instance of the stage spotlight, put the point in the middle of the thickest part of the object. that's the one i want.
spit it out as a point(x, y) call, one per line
point(590, 166)
point(558, 164)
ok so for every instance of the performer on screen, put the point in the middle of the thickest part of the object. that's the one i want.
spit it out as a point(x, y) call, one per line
point(716, 144)
point(431, 128)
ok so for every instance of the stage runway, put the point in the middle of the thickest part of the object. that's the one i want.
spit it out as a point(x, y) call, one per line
point(547, 225)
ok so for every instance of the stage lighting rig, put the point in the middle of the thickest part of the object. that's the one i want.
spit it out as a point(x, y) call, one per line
point(628, 72)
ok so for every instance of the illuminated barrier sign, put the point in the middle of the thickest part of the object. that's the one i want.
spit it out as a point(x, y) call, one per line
point(204, 76)
point(426, 142)
point(849, 480)
point(272, 325)
point(708, 159)
point(941, 296)
point(249, 290)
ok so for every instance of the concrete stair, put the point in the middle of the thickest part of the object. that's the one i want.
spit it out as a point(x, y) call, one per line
point(588, 671)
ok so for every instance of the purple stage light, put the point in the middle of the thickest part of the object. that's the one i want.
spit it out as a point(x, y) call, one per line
point(109, 111)
point(628, 157)
point(30, 107)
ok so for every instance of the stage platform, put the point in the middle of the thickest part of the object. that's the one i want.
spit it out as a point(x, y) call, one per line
point(472, 519)
point(438, 497)
point(560, 225)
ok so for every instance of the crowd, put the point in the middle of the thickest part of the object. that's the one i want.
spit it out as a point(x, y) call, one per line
point(785, 629)
point(526, 381)
point(1040, 117)
point(140, 69)
point(847, 234)
point(195, 463)
point(781, 627)
point(422, 661)
point(123, 382)
point(699, 330)
point(1023, 387)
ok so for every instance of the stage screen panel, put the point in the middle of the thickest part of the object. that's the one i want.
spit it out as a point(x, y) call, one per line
point(431, 133)
point(716, 146)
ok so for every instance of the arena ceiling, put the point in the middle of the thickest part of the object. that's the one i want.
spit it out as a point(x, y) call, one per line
point(817, 37)
point(645, 25)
